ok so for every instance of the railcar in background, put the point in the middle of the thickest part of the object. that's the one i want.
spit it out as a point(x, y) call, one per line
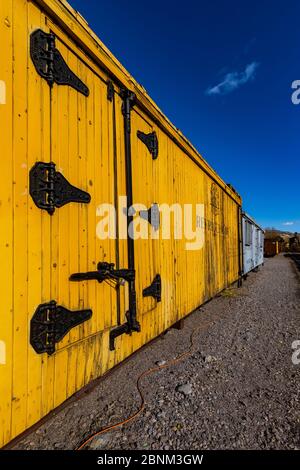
point(80, 132)
point(253, 244)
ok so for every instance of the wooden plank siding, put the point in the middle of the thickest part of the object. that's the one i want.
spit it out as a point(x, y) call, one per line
point(84, 137)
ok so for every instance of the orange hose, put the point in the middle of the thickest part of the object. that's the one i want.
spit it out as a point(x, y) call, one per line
point(179, 358)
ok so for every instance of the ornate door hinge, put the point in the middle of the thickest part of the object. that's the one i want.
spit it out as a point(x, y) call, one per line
point(151, 142)
point(50, 64)
point(152, 215)
point(49, 188)
point(154, 290)
point(50, 323)
point(105, 271)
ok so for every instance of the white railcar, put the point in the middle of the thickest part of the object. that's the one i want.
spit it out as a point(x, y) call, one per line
point(253, 244)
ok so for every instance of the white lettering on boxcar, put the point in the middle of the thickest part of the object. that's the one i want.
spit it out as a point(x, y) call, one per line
point(185, 221)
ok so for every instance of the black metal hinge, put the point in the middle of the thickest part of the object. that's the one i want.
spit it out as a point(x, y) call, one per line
point(152, 215)
point(151, 142)
point(50, 323)
point(154, 290)
point(50, 64)
point(105, 271)
point(50, 189)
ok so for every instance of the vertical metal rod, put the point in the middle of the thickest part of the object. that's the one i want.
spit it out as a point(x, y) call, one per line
point(127, 105)
point(112, 91)
point(128, 102)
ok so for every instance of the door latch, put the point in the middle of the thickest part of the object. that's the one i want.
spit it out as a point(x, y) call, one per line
point(105, 271)
point(50, 323)
point(50, 189)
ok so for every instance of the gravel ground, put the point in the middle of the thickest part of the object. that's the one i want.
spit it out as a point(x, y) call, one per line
point(238, 390)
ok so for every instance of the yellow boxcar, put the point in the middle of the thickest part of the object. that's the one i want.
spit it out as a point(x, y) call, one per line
point(79, 132)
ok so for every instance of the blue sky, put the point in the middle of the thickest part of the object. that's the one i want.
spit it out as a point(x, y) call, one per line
point(222, 71)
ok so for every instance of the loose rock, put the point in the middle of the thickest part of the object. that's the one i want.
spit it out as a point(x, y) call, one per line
point(185, 389)
point(238, 389)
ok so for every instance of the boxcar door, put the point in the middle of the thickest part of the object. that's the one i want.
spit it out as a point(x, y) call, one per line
point(59, 147)
point(71, 173)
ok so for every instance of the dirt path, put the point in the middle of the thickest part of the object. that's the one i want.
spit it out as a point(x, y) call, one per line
point(240, 387)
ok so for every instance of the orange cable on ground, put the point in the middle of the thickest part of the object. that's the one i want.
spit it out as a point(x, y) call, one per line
point(179, 358)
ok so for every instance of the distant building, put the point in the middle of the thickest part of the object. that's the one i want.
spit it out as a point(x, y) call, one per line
point(294, 242)
point(271, 247)
point(281, 241)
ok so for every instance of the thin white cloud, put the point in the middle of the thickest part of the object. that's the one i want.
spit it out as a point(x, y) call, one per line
point(287, 223)
point(234, 80)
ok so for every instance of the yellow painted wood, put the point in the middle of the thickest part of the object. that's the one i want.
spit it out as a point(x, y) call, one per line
point(143, 197)
point(47, 399)
point(84, 137)
point(20, 195)
point(123, 346)
point(76, 28)
point(81, 142)
point(35, 112)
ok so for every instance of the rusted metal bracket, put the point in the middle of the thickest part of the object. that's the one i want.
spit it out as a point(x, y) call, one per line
point(179, 325)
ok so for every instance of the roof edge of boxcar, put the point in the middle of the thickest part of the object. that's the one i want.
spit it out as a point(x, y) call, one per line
point(83, 35)
point(244, 214)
